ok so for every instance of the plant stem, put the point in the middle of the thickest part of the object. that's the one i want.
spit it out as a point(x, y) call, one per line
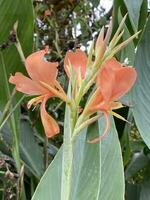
point(67, 169)
point(67, 157)
point(45, 153)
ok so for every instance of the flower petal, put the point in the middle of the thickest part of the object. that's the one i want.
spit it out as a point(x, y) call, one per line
point(51, 127)
point(124, 80)
point(95, 103)
point(26, 85)
point(39, 69)
point(78, 60)
point(115, 80)
point(106, 78)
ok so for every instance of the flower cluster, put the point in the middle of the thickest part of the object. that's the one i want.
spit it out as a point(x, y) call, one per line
point(111, 78)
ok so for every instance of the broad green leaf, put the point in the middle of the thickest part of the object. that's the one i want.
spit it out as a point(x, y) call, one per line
point(134, 8)
point(49, 187)
point(141, 91)
point(95, 166)
point(30, 151)
point(111, 166)
point(12, 11)
point(137, 14)
point(10, 62)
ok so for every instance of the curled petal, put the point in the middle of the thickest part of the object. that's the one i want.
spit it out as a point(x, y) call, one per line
point(78, 61)
point(26, 85)
point(106, 131)
point(51, 127)
point(39, 69)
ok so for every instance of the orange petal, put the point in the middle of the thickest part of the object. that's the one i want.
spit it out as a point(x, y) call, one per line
point(107, 68)
point(105, 80)
point(115, 80)
point(124, 80)
point(51, 127)
point(39, 69)
point(106, 131)
point(95, 102)
point(78, 60)
point(26, 85)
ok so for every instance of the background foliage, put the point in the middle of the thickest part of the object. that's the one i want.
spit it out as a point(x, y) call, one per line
point(25, 153)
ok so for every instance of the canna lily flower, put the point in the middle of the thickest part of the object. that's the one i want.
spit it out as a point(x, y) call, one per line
point(113, 81)
point(77, 60)
point(43, 84)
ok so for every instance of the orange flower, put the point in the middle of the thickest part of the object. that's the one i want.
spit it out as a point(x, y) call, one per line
point(42, 82)
point(113, 81)
point(77, 60)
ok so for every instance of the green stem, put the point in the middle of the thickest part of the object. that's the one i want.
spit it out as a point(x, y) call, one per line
point(10, 113)
point(67, 169)
point(67, 159)
point(15, 150)
point(7, 106)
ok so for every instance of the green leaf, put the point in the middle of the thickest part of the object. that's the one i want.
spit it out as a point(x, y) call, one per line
point(129, 51)
point(138, 191)
point(111, 166)
point(134, 8)
point(30, 152)
point(141, 91)
point(138, 163)
point(94, 168)
point(12, 11)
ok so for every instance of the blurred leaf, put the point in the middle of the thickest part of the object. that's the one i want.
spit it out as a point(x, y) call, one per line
point(129, 51)
point(145, 191)
point(134, 8)
point(30, 151)
point(125, 142)
point(139, 162)
point(138, 191)
point(25, 33)
point(132, 192)
point(143, 15)
point(141, 92)
point(10, 60)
